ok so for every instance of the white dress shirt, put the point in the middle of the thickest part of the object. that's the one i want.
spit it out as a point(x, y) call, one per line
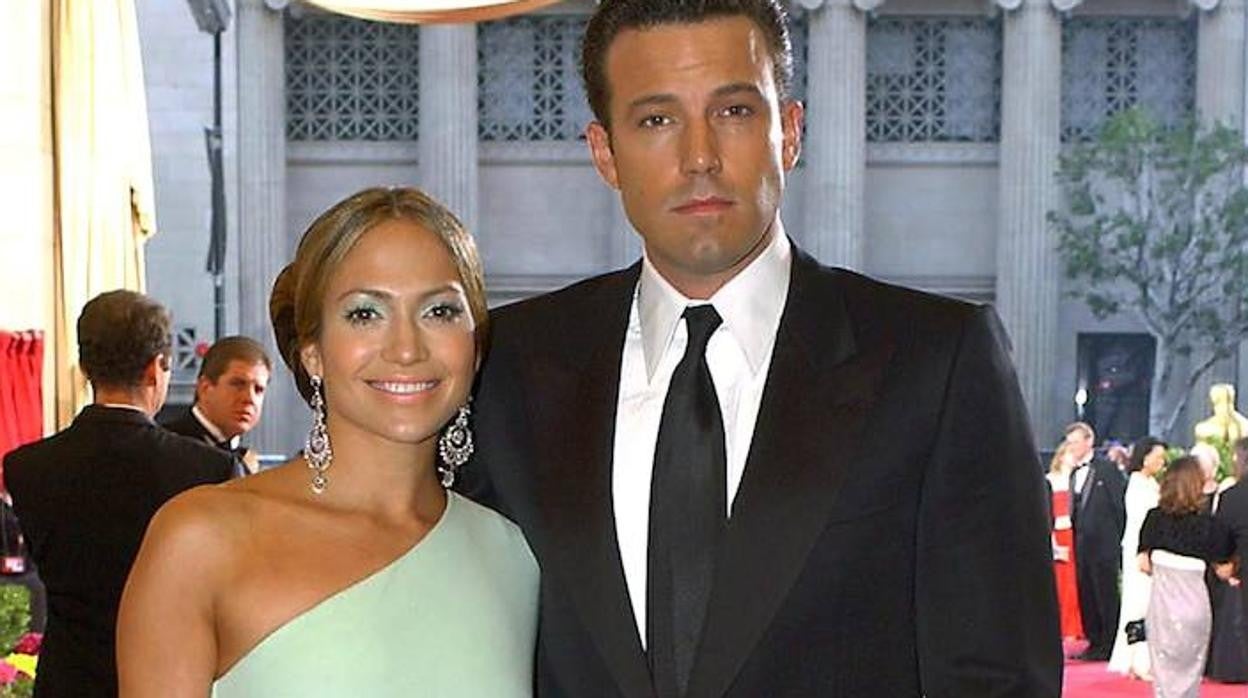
point(212, 429)
point(1080, 474)
point(738, 355)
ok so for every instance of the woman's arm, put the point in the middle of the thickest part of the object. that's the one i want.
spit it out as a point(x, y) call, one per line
point(166, 634)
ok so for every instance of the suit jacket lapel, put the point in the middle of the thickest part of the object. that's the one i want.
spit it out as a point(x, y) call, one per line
point(575, 426)
point(793, 471)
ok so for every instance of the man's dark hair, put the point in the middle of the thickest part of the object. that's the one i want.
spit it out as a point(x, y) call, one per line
point(119, 333)
point(615, 16)
point(235, 348)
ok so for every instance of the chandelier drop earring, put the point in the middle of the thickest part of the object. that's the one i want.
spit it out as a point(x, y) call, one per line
point(455, 446)
point(317, 450)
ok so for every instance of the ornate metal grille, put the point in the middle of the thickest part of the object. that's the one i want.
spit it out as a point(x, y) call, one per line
point(348, 79)
point(1109, 65)
point(186, 357)
point(529, 81)
point(933, 79)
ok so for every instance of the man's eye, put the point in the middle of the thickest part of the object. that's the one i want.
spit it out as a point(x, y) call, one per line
point(654, 121)
point(738, 111)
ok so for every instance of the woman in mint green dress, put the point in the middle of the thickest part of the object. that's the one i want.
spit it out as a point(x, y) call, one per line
point(351, 570)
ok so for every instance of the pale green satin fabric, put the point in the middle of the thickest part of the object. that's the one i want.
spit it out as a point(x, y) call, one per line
point(454, 616)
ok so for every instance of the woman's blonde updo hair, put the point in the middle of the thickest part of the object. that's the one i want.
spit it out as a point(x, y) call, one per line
point(299, 291)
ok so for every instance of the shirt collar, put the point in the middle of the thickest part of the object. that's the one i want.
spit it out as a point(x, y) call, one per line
point(750, 304)
point(211, 428)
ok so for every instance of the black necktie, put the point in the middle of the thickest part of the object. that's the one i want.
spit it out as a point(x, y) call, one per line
point(687, 511)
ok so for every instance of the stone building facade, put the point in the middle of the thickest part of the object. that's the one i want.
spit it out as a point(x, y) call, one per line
point(933, 131)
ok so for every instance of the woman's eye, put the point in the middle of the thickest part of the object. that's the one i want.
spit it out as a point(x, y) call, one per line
point(446, 312)
point(362, 314)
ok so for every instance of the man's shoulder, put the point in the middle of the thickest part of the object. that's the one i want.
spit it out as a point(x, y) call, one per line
point(183, 423)
point(881, 309)
point(580, 295)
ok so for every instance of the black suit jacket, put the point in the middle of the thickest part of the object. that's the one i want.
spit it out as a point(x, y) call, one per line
point(1233, 511)
point(1099, 512)
point(84, 498)
point(188, 425)
point(888, 537)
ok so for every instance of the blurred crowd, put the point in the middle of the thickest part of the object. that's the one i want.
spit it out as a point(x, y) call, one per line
point(1148, 546)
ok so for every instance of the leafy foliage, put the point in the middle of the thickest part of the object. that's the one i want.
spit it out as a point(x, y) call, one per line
point(1156, 225)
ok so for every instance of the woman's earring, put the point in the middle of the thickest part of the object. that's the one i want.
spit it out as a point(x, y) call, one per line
point(455, 446)
point(317, 450)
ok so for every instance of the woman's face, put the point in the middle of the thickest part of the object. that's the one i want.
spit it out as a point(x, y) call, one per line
point(1154, 460)
point(396, 348)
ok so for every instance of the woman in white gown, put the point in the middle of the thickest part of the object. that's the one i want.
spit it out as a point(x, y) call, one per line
point(1148, 457)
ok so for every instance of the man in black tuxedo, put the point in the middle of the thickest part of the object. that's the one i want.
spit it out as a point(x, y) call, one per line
point(1233, 510)
point(84, 496)
point(745, 474)
point(229, 398)
point(1098, 515)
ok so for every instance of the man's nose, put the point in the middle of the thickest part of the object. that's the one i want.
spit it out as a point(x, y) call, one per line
point(700, 148)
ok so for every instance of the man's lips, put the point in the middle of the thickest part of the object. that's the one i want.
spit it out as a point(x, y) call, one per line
point(707, 205)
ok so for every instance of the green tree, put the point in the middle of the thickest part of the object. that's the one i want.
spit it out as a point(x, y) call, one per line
point(1156, 226)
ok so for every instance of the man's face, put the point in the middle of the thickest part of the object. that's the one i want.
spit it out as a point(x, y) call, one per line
point(233, 403)
point(1078, 444)
point(698, 145)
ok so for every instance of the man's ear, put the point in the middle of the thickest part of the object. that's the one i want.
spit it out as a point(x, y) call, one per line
point(201, 384)
point(310, 355)
point(792, 118)
point(158, 365)
point(600, 149)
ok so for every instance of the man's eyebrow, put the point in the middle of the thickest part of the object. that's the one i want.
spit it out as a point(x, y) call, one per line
point(722, 91)
point(738, 88)
point(649, 100)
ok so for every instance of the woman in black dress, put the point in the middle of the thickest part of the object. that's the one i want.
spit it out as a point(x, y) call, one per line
point(1177, 544)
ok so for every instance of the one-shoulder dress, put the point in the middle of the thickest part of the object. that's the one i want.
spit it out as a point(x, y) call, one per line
point(456, 615)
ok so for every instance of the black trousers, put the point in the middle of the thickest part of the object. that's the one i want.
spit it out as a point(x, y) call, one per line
point(1098, 599)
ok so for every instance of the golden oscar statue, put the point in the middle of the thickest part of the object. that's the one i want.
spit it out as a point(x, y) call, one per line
point(1226, 425)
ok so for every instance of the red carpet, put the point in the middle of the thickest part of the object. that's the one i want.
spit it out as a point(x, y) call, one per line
point(1093, 680)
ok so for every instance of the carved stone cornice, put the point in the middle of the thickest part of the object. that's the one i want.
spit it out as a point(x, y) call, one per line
point(863, 5)
point(1059, 5)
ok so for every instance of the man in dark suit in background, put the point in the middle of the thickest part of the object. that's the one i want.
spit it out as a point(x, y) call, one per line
point(1098, 515)
point(1233, 510)
point(84, 496)
point(229, 398)
point(746, 474)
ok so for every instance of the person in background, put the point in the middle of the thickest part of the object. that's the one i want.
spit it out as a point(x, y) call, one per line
point(1228, 643)
point(229, 398)
point(1099, 517)
point(1064, 543)
point(1178, 542)
point(84, 496)
point(1233, 511)
point(1148, 458)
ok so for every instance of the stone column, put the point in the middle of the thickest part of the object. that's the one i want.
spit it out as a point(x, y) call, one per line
point(1220, 62)
point(1027, 261)
point(447, 144)
point(1220, 76)
point(264, 245)
point(835, 144)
